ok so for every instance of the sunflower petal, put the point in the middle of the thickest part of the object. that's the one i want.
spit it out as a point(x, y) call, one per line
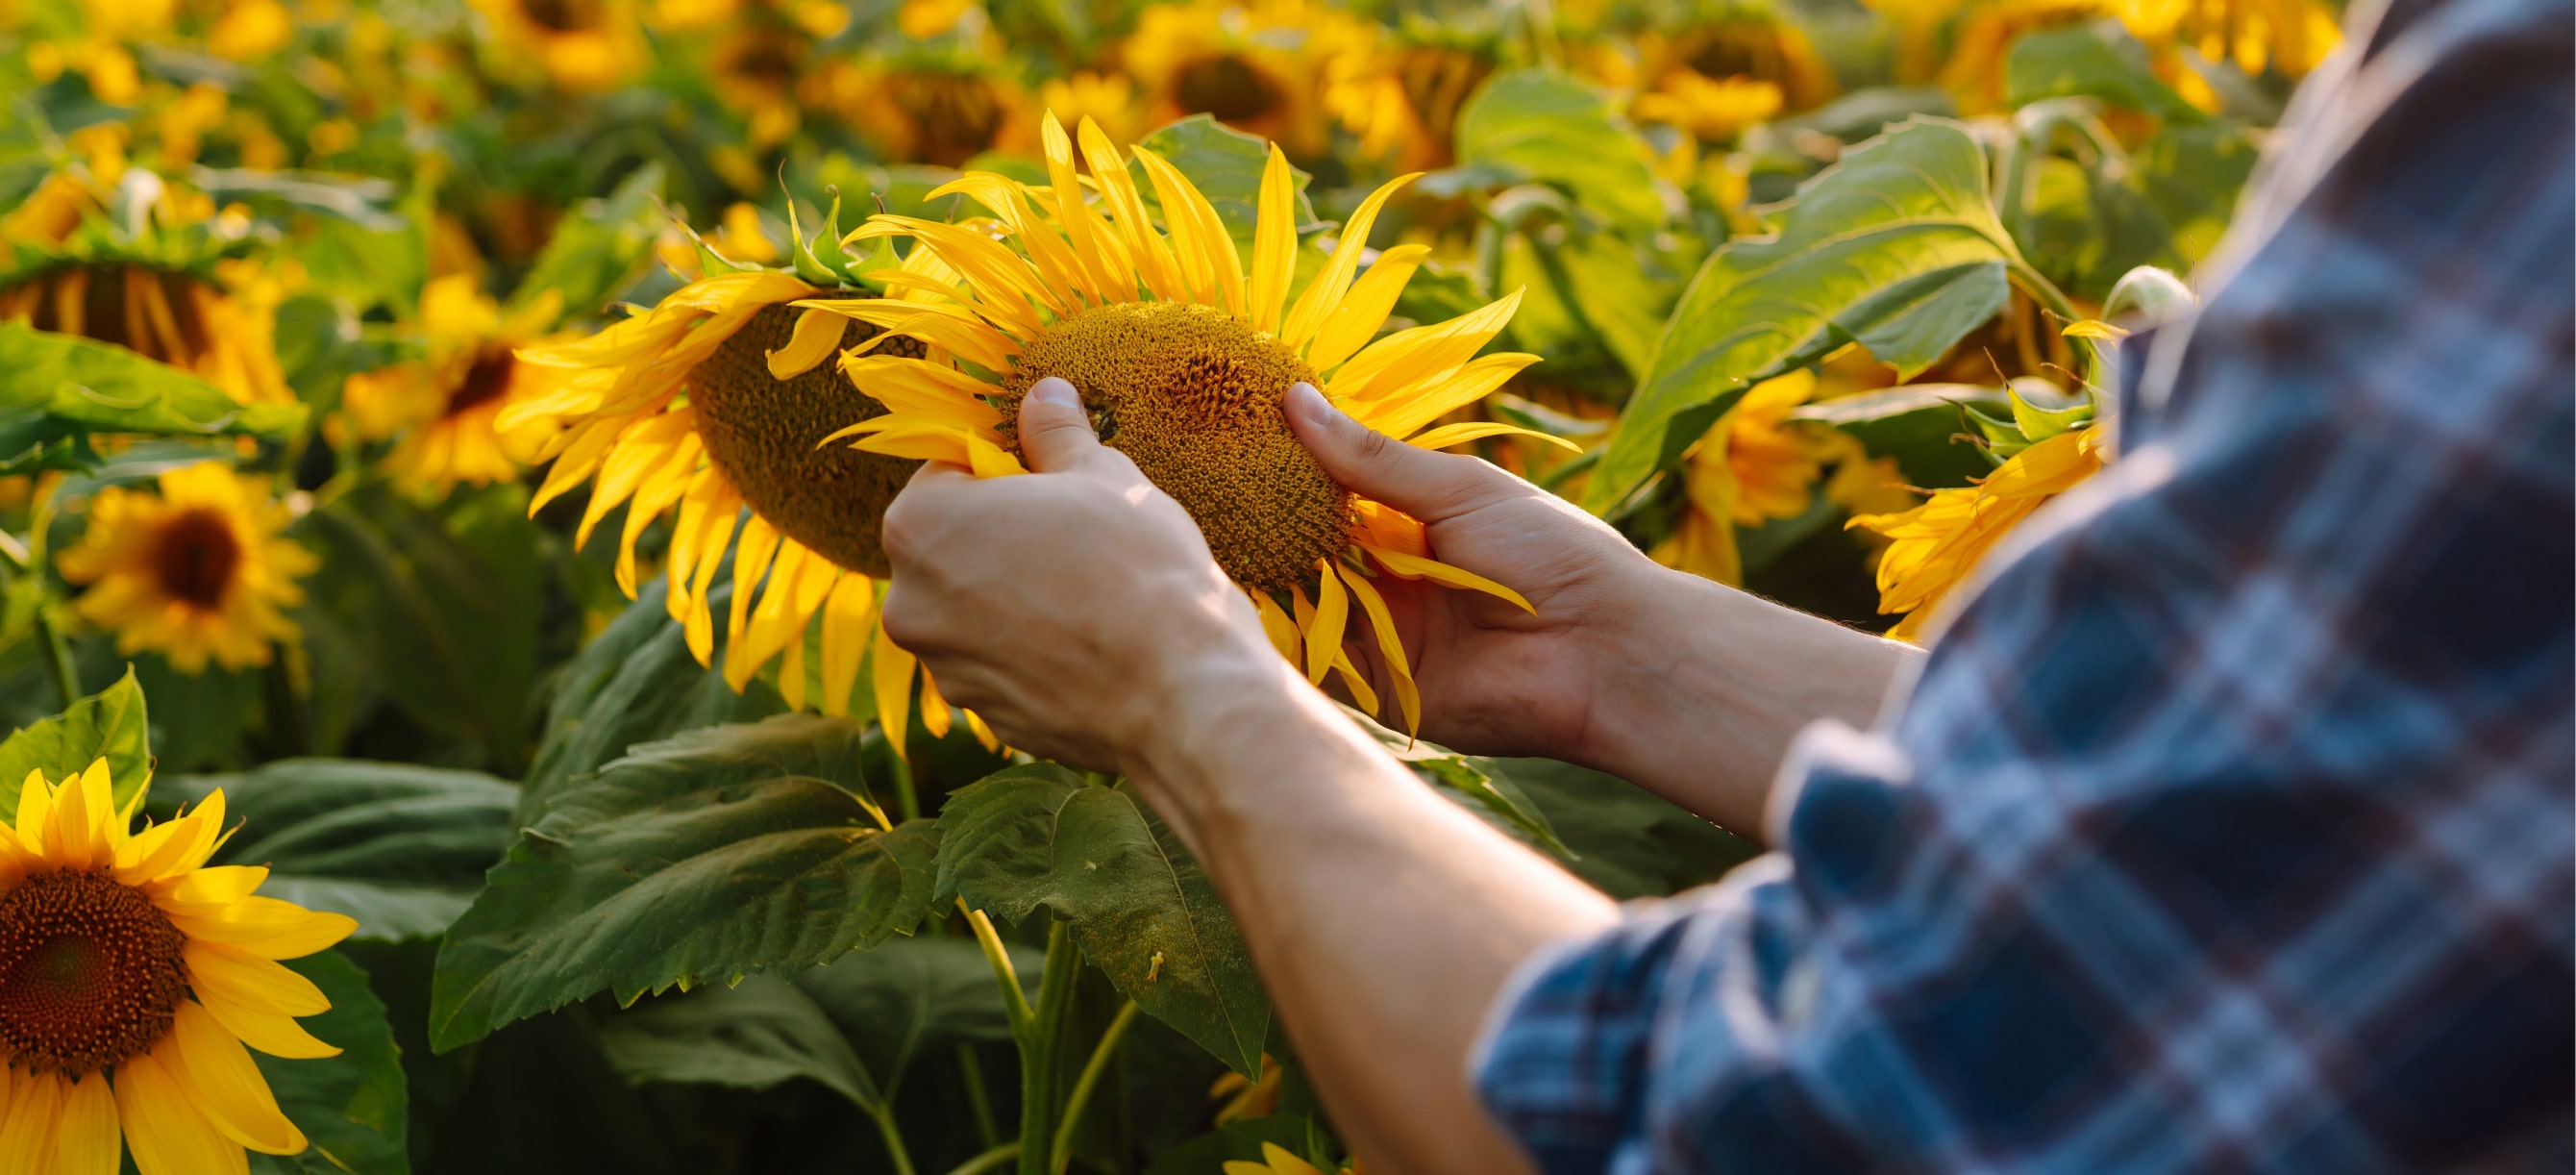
point(161, 1120)
point(1417, 567)
point(1448, 435)
point(268, 927)
point(816, 336)
point(1356, 320)
point(893, 684)
point(1324, 294)
point(935, 717)
point(224, 1083)
point(1276, 625)
point(1274, 244)
point(849, 622)
point(1324, 634)
point(86, 1138)
point(1390, 647)
point(27, 1132)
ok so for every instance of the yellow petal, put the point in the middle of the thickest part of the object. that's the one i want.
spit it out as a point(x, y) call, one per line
point(893, 683)
point(1400, 360)
point(1362, 694)
point(984, 735)
point(1416, 567)
point(86, 1140)
point(2094, 328)
point(75, 840)
point(1152, 255)
point(27, 1133)
point(1401, 411)
point(849, 621)
point(216, 887)
point(816, 336)
point(267, 927)
point(1324, 294)
point(930, 442)
point(1448, 435)
point(224, 1084)
point(1276, 625)
point(1274, 244)
point(1356, 320)
point(170, 1136)
point(222, 973)
point(1089, 237)
point(935, 718)
point(36, 815)
point(1324, 634)
point(1390, 648)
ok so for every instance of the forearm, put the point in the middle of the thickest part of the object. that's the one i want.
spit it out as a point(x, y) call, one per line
point(1383, 918)
point(1702, 687)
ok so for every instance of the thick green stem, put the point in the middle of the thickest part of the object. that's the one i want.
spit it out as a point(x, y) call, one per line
point(893, 1139)
point(1062, 1152)
point(58, 658)
point(1038, 1049)
point(1014, 1001)
point(979, 1099)
point(906, 801)
point(990, 1160)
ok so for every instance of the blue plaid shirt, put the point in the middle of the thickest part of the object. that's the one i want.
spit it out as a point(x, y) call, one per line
point(2230, 827)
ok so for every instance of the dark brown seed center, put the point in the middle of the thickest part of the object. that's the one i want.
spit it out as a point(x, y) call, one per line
point(1227, 87)
point(90, 972)
point(485, 381)
point(196, 556)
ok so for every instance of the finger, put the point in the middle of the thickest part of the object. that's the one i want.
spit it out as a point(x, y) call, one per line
point(1055, 433)
point(1427, 485)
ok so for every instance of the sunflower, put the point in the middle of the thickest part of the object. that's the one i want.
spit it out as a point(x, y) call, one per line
point(444, 405)
point(131, 975)
point(926, 108)
point(1936, 546)
point(1401, 96)
point(1757, 465)
point(199, 570)
point(714, 401)
point(756, 68)
point(218, 321)
point(1183, 359)
point(2291, 36)
point(1715, 78)
point(1257, 68)
point(580, 44)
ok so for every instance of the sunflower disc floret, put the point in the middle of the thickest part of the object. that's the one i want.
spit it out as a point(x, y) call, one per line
point(1193, 396)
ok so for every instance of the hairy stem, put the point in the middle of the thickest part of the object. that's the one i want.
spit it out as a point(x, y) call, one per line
point(893, 1139)
point(1062, 1152)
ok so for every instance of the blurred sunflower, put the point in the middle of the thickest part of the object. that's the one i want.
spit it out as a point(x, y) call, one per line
point(1183, 358)
point(200, 570)
point(1757, 465)
point(1257, 68)
point(444, 405)
point(131, 975)
point(940, 109)
point(1278, 1160)
point(755, 70)
point(216, 317)
point(717, 400)
point(1936, 546)
point(2290, 36)
point(1716, 77)
point(1401, 94)
point(583, 45)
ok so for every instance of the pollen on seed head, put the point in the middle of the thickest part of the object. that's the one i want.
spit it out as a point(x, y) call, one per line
point(90, 973)
point(1192, 395)
point(761, 432)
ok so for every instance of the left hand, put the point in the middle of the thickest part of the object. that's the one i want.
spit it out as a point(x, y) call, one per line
point(1067, 607)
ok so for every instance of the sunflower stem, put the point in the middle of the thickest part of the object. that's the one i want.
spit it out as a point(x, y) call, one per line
point(893, 1139)
point(58, 657)
point(979, 1098)
point(1015, 1003)
point(1062, 1152)
point(906, 800)
point(988, 1161)
point(1039, 1049)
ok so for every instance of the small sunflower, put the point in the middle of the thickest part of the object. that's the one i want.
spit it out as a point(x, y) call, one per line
point(1936, 546)
point(713, 403)
point(756, 69)
point(926, 108)
point(1183, 359)
point(200, 570)
point(1257, 68)
point(217, 320)
point(1715, 78)
point(582, 45)
point(1757, 465)
point(444, 405)
point(131, 977)
point(1401, 96)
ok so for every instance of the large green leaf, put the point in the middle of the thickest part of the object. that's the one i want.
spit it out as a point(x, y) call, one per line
point(1539, 125)
point(636, 682)
point(109, 724)
point(1225, 164)
point(905, 995)
point(600, 246)
point(401, 848)
point(717, 854)
point(353, 1108)
point(2098, 60)
point(1471, 781)
point(108, 388)
point(1140, 907)
point(1627, 842)
point(761, 1033)
point(1896, 247)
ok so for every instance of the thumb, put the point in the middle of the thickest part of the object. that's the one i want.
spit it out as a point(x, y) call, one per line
point(1428, 485)
point(1055, 433)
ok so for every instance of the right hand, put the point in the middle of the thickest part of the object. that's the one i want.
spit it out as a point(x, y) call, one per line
point(1495, 679)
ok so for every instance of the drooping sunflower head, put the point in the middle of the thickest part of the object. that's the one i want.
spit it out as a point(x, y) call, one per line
point(200, 570)
point(131, 977)
point(217, 319)
point(1184, 355)
point(443, 407)
point(712, 407)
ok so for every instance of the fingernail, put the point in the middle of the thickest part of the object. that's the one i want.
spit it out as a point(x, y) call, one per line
point(1310, 404)
point(1052, 390)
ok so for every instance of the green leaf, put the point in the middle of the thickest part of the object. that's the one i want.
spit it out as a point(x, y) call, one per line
point(401, 848)
point(636, 682)
point(714, 855)
point(109, 724)
point(354, 1108)
point(358, 200)
point(110, 389)
point(1918, 424)
point(1629, 842)
point(1896, 247)
point(2038, 423)
point(1470, 781)
point(2098, 60)
point(1140, 908)
point(1225, 164)
point(600, 246)
point(1553, 128)
point(903, 996)
point(759, 1034)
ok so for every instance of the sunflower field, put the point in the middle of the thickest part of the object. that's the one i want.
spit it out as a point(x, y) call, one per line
point(443, 445)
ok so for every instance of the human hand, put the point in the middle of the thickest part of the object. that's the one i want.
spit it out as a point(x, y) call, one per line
point(1066, 607)
point(1494, 679)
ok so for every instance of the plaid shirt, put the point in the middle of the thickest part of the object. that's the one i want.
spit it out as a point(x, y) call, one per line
point(2230, 827)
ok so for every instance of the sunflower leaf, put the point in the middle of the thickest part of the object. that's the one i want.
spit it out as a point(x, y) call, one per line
point(600, 248)
point(1540, 125)
point(721, 853)
point(1897, 247)
point(109, 724)
point(104, 387)
point(355, 1107)
point(762, 1033)
point(1139, 906)
point(1225, 164)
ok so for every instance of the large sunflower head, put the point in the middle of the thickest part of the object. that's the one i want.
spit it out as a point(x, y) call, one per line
point(714, 404)
point(1183, 355)
point(131, 977)
point(443, 407)
point(200, 570)
point(1936, 546)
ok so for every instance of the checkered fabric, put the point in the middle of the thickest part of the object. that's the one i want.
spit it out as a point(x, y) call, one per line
point(2230, 827)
